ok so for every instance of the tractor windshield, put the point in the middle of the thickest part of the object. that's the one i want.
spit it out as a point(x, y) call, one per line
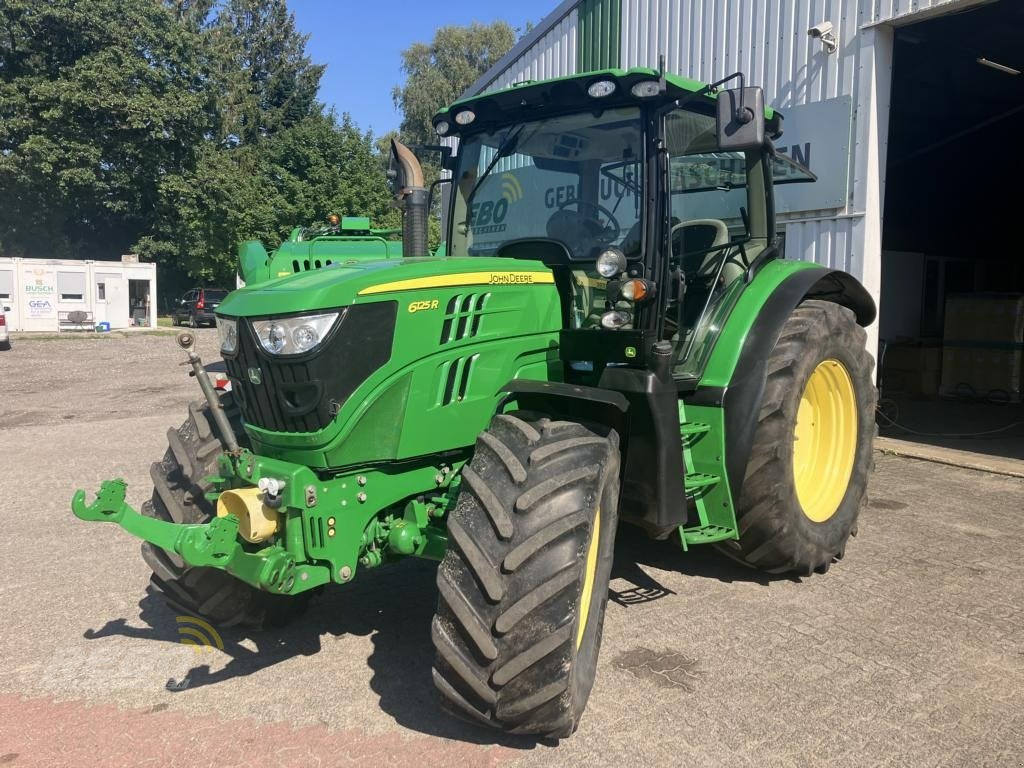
point(549, 179)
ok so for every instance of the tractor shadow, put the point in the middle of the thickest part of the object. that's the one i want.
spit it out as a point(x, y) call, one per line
point(393, 606)
point(633, 549)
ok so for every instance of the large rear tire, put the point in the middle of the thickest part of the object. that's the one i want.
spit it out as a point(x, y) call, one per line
point(807, 477)
point(524, 583)
point(179, 495)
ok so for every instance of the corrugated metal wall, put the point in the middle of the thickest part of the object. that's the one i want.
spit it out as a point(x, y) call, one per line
point(599, 35)
point(890, 10)
point(767, 40)
point(553, 55)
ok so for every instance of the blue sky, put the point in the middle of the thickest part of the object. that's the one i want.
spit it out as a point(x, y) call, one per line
point(361, 44)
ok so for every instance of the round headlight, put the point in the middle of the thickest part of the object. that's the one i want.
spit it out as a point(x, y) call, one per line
point(465, 117)
point(601, 88)
point(305, 337)
point(442, 127)
point(646, 89)
point(615, 319)
point(276, 338)
point(611, 262)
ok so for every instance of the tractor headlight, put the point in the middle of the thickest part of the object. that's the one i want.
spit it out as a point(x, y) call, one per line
point(646, 89)
point(611, 262)
point(227, 327)
point(601, 88)
point(293, 335)
point(615, 319)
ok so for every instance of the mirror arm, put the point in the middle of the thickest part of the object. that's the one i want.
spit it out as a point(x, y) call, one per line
point(430, 190)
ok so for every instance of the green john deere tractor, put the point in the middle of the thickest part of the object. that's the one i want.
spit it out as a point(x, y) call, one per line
point(612, 334)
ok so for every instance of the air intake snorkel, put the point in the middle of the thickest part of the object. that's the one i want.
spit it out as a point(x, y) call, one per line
point(411, 197)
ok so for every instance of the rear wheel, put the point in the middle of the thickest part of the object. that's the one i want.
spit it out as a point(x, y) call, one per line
point(524, 583)
point(807, 477)
point(179, 489)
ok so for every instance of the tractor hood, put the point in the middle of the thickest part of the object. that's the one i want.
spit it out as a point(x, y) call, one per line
point(358, 283)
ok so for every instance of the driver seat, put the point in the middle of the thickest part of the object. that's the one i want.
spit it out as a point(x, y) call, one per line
point(691, 240)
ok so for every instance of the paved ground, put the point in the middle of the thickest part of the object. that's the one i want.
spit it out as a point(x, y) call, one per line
point(909, 653)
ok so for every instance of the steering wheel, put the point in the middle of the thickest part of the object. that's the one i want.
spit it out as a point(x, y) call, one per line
point(608, 231)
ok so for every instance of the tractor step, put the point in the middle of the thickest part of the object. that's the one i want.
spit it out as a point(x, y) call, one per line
point(705, 534)
point(698, 481)
point(692, 428)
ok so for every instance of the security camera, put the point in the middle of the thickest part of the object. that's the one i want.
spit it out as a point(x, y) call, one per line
point(825, 33)
point(821, 30)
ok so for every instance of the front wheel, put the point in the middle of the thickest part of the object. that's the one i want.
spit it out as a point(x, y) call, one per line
point(807, 476)
point(180, 484)
point(524, 583)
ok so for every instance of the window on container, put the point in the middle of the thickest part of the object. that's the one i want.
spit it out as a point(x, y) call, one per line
point(104, 283)
point(71, 286)
point(6, 283)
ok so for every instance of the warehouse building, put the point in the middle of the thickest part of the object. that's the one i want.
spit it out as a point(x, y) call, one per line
point(907, 111)
point(71, 294)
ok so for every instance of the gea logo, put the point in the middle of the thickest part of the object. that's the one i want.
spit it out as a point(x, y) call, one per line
point(39, 304)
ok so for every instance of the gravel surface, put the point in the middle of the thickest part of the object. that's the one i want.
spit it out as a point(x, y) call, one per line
point(90, 377)
point(907, 653)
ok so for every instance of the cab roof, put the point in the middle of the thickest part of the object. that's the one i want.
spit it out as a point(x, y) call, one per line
point(533, 99)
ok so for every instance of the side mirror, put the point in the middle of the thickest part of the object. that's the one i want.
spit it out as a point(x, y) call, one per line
point(447, 161)
point(741, 119)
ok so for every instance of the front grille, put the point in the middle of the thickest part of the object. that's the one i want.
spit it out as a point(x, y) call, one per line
point(305, 392)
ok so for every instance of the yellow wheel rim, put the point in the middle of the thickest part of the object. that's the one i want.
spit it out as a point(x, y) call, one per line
point(588, 577)
point(825, 440)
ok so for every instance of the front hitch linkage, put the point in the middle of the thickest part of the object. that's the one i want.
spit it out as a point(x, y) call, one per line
point(213, 544)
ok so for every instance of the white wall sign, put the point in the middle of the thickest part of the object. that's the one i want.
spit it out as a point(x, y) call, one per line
point(818, 136)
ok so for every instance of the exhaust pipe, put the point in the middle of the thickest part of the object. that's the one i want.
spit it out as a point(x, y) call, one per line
point(411, 197)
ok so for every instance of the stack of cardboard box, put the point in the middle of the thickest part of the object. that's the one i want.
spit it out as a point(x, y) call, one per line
point(983, 346)
point(912, 367)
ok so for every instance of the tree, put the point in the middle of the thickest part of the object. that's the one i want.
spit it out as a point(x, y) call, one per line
point(99, 101)
point(271, 83)
point(294, 177)
point(439, 72)
point(174, 128)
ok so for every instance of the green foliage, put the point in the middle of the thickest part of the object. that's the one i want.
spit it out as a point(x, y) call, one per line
point(174, 128)
point(437, 73)
point(98, 100)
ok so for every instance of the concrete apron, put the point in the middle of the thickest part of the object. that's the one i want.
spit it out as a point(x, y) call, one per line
point(979, 461)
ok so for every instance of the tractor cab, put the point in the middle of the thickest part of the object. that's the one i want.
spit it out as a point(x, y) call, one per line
point(644, 193)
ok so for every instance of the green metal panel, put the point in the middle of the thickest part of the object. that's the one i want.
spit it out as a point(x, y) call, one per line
point(727, 349)
point(597, 39)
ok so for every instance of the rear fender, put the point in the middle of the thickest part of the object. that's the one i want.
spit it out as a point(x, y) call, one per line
point(736, 382)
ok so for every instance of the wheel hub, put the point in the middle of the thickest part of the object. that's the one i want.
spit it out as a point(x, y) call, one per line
point(825, 440)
